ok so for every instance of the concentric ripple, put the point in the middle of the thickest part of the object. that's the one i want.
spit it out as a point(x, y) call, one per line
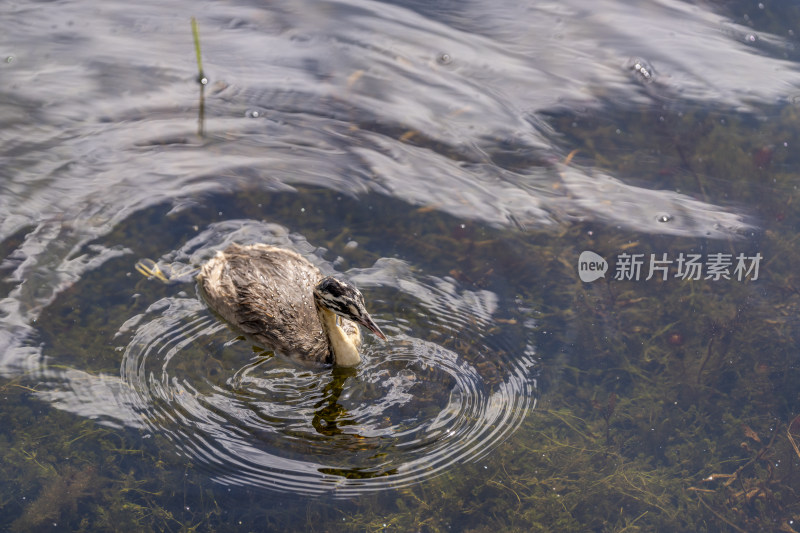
point(416, 405)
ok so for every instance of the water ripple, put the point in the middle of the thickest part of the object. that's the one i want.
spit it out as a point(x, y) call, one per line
point(411, 410)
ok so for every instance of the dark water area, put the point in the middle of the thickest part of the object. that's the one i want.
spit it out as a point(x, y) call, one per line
point(574, 221)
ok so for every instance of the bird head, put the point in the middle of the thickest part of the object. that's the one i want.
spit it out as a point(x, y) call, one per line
point(346, 301)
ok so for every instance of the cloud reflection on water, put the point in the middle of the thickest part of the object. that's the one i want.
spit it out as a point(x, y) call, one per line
point(98, 110)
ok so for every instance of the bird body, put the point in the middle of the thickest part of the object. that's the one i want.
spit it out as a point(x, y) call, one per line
point(280, 299)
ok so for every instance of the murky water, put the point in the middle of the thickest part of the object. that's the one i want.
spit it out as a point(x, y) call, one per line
point(446, 158)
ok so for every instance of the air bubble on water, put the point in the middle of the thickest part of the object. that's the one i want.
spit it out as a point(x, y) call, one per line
point(444, 58)
point(642, 68)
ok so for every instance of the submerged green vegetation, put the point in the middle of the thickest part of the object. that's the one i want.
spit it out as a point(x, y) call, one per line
point(663, 405)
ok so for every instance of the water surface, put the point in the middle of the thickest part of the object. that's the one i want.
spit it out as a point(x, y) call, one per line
point(451, 160)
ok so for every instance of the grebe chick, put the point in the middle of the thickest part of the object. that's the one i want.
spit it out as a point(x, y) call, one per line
point(285, 303)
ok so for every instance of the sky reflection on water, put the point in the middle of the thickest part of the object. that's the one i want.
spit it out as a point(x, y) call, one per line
point(443, 110)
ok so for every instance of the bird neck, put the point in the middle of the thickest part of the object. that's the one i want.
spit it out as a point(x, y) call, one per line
point(343, 346)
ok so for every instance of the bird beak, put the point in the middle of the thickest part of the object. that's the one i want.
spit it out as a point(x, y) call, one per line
point(372, 326)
